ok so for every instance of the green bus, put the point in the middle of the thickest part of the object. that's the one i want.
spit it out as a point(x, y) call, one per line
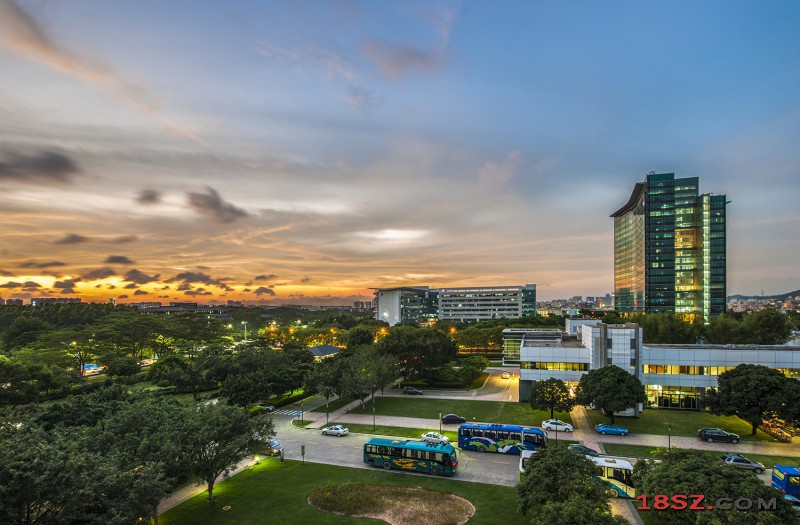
point(416, 456)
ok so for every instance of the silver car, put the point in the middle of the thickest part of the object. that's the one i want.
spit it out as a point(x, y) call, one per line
point(742, 462)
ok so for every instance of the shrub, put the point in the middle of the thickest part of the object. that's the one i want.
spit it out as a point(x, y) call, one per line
point(164, 383)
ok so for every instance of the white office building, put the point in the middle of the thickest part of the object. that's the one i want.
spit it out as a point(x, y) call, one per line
point(674, 376)
point(484, 303)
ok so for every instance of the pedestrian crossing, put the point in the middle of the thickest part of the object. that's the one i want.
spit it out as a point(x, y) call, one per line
point(286, 412)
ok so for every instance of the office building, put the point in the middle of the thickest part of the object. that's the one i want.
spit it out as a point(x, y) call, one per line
point(416, 304)
point(674, 376)
point(484, 303)
point(670, 249)
point(421, 304)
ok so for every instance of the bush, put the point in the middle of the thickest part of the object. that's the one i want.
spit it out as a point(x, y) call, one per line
point(164, 383)
point(254, 411)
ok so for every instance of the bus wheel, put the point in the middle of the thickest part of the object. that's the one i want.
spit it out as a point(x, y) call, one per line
point(613, 493)
point(481, 448)
point(387, 465)
point(434, 472)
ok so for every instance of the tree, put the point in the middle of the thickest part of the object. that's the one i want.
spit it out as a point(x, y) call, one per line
point(753, 391)
point(220, 436)
point(468, 374)
point(767, 327)
point(575, 511)
point(326, 378)
point(723, 330)
point(551, 394)
point(360, 335)
point(359, 378)
point(683, 471)
point(610, 389)
point(123, 366)
point(557, 475)
point(417, 349)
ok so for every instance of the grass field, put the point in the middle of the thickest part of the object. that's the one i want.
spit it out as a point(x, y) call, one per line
point(684, 423)
point(335, 404)
point(481, 411)
point(272, 492)
point(642, 451)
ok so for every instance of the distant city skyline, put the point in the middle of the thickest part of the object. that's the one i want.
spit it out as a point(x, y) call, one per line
point(304, 152)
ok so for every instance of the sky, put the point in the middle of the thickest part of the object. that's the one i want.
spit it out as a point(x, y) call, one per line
point(303, 152)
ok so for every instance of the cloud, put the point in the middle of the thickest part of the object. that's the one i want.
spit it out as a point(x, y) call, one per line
point(21, 34)
point(10, 285)
point(122, 297)
point(66, 286)
point(318, 61)
point(199, 291)
point(148, 197)
point(141, 292)
point(212, 205)
point(123, 239)
point(362, 98)
point(501, 173)
point(396, 60)
point(140, 278)
point(192, 277)
point(305, 280)
point(31, 285)
point(6, 273)
point(42, 167)
point(264, 277)
point(48, 264)
point(264, 290)
point(117, 259)
point(131, 286)
point(72, 238)
point(100, 273)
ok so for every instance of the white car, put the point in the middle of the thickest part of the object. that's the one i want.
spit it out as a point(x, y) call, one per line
point(557, 425)
point(506, 375)
point(434, 437)
point(335, 430)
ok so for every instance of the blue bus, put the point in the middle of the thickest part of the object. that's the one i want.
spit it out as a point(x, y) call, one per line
point(496, 437)
point(786, 479)
point(416, 456)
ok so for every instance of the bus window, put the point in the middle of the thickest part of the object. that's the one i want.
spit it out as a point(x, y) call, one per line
point(515, 436)
point(384, 451)
point(396, 451)
point(439, 458)
point(502, 435)
point(491, 434)
point(477, 433)
point(466, 432)
point(794, 480)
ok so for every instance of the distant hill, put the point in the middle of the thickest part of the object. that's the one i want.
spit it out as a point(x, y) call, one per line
point(779, 297)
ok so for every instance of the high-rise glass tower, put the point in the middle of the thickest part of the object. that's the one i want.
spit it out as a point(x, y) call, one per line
point(669, 249)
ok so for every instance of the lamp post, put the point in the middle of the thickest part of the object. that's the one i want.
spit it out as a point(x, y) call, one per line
point(440, 422)
point(301, 413)
point(373, 414)
point(245, 330)
point(669, 435)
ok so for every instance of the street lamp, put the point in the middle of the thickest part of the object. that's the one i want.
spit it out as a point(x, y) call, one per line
point(669, 435)
point(245, 330)
point(373, 413)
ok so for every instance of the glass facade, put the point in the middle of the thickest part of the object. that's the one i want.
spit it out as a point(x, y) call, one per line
point(669, 249)
point(419, 305)
point(572, 367)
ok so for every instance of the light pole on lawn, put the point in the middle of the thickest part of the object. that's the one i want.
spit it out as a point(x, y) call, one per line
point(245, 330)
point(373, 416)
point(669, 435)
point(440, 422)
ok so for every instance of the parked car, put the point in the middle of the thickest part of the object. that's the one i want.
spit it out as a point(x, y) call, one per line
point(275, 448)
point(717, 434)
point(413, 391)
point(611, 429)
point(586, 451)
point(742, 462)
point(794, 502)
point(506, 375)
point(556, 424)
point(452, 418)
point(266, 407)
point(335, 430)
point(435, 437)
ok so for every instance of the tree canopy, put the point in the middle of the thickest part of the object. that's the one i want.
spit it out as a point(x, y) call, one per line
point(752, 392)
point(610, 389)
point(551, 394)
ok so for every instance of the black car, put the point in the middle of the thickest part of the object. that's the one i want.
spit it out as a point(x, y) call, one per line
point(413, 390)
point(452, 418)
point(586, 451)
point(716, 434)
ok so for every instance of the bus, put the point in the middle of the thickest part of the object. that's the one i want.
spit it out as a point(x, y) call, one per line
point(786, 479)
point(616, 473)
point(411, 455)
point(524, 459)
point(496, 437)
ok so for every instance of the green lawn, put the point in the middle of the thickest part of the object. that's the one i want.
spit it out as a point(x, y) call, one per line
point(334, 405)
point(484, 411)
point(272, 492)
point(684, 423)
point(642, 451)
point(414, 433)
